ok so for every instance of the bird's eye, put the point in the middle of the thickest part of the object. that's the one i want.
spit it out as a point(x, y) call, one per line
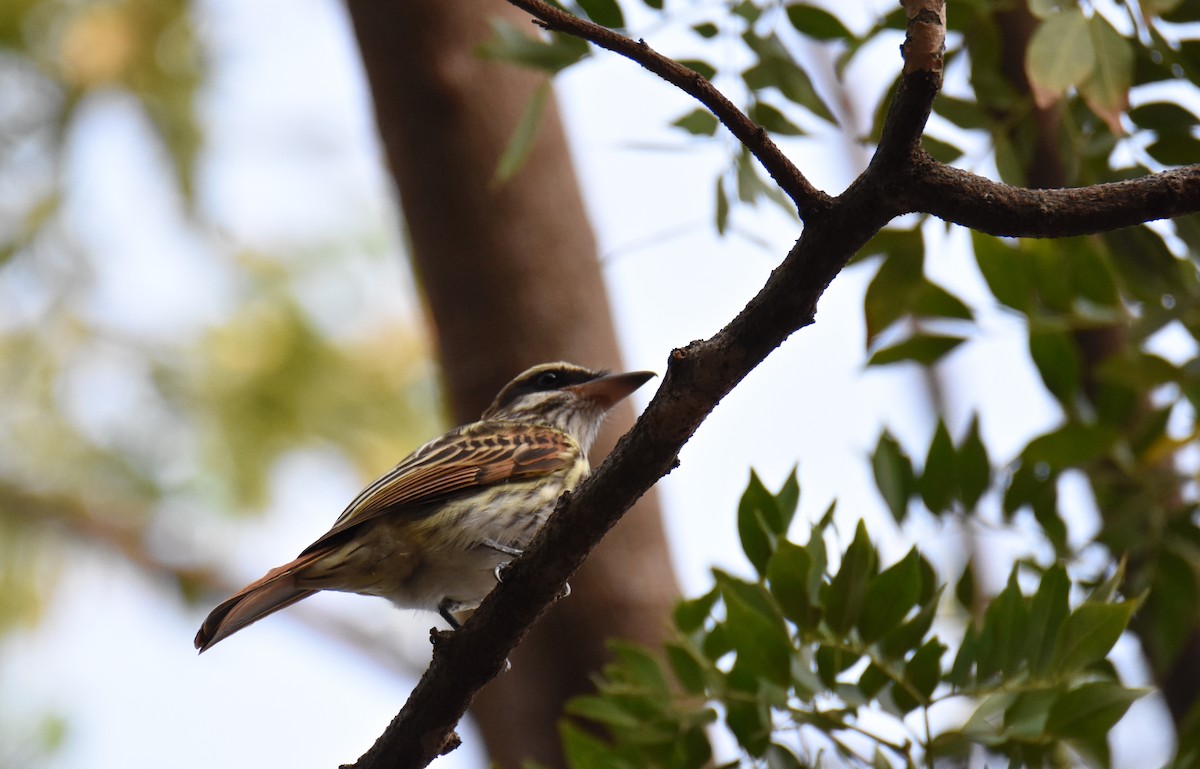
point(547, 379)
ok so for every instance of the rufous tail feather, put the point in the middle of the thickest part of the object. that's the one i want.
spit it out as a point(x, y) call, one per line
point(274, 591)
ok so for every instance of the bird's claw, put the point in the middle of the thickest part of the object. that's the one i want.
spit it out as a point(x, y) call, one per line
point(502, 548)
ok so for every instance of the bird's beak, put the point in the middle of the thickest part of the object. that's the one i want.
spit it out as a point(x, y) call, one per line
point(611, 389)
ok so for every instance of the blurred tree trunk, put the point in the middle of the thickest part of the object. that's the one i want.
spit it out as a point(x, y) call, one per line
point(510, 277)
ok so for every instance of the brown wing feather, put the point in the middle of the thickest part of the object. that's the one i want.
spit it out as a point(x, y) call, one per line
point(474, 456)
point(266, 595)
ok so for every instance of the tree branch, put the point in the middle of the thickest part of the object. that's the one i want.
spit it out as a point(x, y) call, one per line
point(973, 201)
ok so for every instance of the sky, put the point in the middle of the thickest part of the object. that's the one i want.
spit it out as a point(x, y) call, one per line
point(288, 105)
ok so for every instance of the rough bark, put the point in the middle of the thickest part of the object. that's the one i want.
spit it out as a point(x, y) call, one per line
point(510, 278)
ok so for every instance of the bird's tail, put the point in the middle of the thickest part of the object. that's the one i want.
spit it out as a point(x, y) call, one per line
point(276, 590)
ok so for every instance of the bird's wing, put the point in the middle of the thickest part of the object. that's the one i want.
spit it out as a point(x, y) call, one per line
point(476, 455)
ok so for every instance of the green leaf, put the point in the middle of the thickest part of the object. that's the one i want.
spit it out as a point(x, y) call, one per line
point(787, 577)
point(747, 10)
point(1089, 633)
point(974, 467)
point(1107, 590)
point(965, 589)
point(782, 757)
point(584, 751)
point(925, 349)
point(773, 120)
point(602, 710)
point(1006, 277)
point(687, 669)
point(513, 43)
point(750, 722)
point(816, 23)
point(890, 596)
point(933, 301)
point(848, 588)
point(1107, 90)
point(962, 113)
point(939, 476)
point(521, 143)
point(716, 643)
point(831, 662)
point(706, 30)
point(892, 293)
point(924, 670)
point(1069, 446)
point(909, 244)
point(722, 206)
point(898, 642)
point(872, 680)
point(640, 666)
point(1057, 360)
point(1175, 150)
point(941, 151)
point(1026, 715)
point(749, 186)
point(756, 630)
point(706, 70)
point(606, 13)
point(776, 69)
point(1009, 160)
point(788, 500)
point(1034, 485)
point(1090, 711)
point(1092, 275)
point(1049, 610)
point(893, 475)
point(760, 522)
point(690, 614)
point(965, 660)
point(1060, 53)
point(699, 122)
point(1003, 637)
point(1164, 118)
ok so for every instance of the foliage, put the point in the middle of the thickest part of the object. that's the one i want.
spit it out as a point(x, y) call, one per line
point(827, 651)
point(1042, 94)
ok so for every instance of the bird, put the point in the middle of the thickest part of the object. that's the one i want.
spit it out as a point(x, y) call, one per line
point(435, 531)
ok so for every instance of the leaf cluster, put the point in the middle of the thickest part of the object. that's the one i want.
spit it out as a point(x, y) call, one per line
point(827, 651)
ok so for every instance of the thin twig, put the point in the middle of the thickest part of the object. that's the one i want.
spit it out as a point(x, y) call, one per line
point(808, 199)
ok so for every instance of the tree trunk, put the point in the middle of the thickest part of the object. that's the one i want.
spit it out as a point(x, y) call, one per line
point(510, 277)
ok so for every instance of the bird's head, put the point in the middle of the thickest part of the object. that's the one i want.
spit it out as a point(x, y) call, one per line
point(572, 398)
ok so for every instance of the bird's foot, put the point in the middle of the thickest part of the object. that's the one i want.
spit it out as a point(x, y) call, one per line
point(447, 608)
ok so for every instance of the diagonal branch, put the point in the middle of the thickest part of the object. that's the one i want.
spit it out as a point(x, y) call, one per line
point(808, 199)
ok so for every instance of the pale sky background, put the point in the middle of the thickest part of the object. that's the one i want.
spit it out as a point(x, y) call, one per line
point(292, 156)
